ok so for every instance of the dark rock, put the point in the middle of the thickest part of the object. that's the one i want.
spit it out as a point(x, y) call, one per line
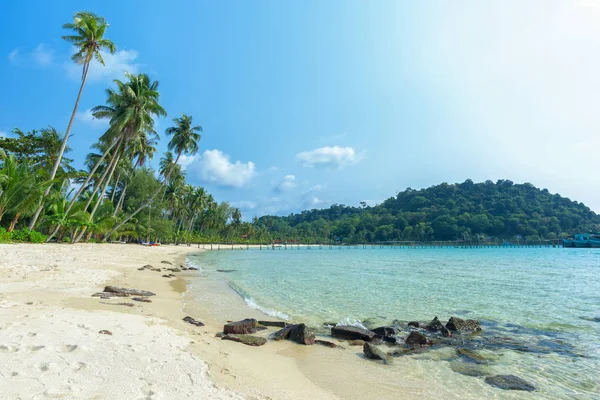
point(302, 334)
point(226, 270)
point(166, 262)
point(509, 382)
point(462, 325)
point(169, 276)
point(147, 266)
point(141, 299)
point(390, 339)
point(351, 333)
point(414, 324)
point(105, 332)
point(375, 353)
point(282, 333)
point(119, 291)
point(102, 295)
point(417, 339)
point(278, 324)
point(326, 343)
point(384, 331)
point(192, 321)
point(248, 340)
point(247, 325)
point(436, 326)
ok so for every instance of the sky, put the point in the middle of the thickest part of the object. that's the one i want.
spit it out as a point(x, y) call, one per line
point(305, 104)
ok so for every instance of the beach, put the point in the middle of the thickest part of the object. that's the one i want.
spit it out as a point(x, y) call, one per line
point(52, 347)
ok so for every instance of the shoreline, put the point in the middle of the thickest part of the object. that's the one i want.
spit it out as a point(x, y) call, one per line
point(59, 280)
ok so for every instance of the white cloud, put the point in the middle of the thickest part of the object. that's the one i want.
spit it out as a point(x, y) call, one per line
point(13, 56)
point(115, 65)
point(287, 183)
point(88, 118)
point(215, 167)
point(329, 157)
point(42, 55)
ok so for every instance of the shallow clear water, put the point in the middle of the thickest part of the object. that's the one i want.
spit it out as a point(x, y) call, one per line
point(547, 301)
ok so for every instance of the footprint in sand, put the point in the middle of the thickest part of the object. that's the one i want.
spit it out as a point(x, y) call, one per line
point(69, 348)
point(36, 348)
point(80, 365)
point(148, 393)
point(43, 367)
point(32, 334)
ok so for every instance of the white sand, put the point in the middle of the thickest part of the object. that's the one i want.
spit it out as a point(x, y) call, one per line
point(50, 345)
point(51, 350)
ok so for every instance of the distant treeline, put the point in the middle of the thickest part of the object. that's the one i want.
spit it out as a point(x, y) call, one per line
point(463, 211)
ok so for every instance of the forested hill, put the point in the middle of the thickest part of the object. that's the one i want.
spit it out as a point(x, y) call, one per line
point(465, 210)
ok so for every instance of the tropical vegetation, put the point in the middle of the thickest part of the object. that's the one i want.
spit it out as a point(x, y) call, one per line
point(117, 196)
point(465, 211)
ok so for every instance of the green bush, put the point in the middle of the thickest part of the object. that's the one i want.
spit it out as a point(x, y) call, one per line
point(5, 236)
point(36, 237)
point(23, 235)
point(20, 235)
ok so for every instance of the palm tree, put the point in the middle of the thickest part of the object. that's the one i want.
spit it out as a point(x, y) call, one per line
point(131, 110)
point(184, 141)
point(89, 41)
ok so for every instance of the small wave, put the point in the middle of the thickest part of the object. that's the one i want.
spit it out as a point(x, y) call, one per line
point(192, 264)
point(351, 322)
point(250, 302)
point(268, 311)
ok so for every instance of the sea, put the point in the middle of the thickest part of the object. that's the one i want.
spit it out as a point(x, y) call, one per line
point(539, 307)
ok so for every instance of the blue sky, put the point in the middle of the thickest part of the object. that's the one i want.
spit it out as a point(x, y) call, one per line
point(309, 103)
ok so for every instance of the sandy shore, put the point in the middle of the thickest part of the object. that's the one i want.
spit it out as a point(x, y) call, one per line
point(51, 346)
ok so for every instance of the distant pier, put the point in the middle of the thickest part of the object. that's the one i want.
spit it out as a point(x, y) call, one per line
point(459, 244)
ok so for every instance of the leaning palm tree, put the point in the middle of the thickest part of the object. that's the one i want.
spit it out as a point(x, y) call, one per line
point(89, 41)
point(184, 141)
point(131, 110)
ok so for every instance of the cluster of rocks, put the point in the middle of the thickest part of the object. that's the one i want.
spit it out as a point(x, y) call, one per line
point(116, 291)
point(399, 339)
point(173, 269)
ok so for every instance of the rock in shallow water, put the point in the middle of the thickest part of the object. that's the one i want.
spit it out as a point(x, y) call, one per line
point(326, 343)
point(279, 324)
point(302, 334)
point(436, 326)
point(509, 382)
point(463, 325)
point(417, 339)
point(374, 353)
point(351, 333)
point(248, 340)
point(244, 326)
point(384, 331)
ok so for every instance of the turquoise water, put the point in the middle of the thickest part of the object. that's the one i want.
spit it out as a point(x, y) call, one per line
point(546, 300)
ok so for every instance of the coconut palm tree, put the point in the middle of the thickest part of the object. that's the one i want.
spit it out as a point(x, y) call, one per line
point(131, 110)
point(184, 141)
point(89, 42)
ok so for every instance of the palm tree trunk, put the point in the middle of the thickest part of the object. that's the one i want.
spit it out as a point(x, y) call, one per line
point(112, 197)
point(84, 185)
point(112, 168)
point(13, 223)
point(140, 208)
point(61, 152)
point(120, 203)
